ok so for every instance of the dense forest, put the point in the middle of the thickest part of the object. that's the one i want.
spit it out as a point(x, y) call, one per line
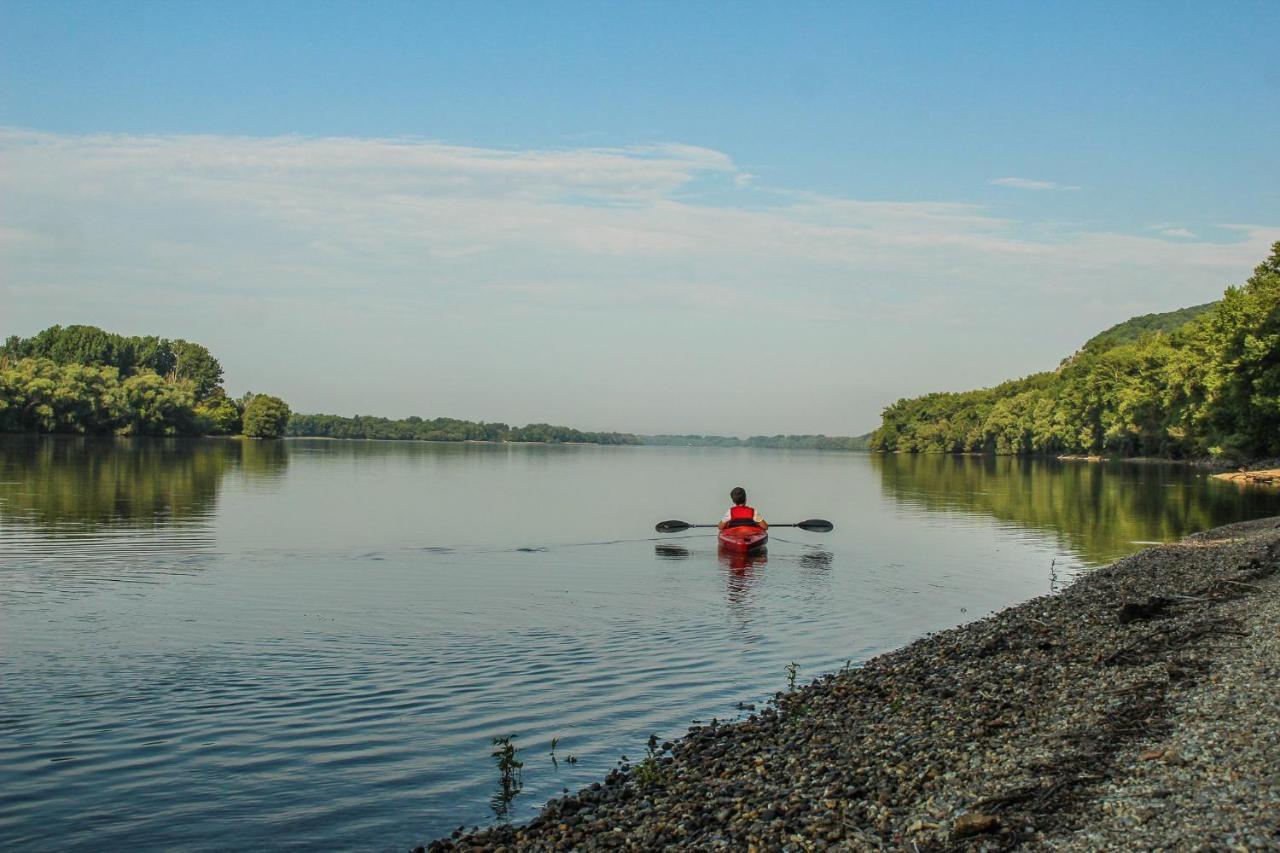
point(1202, 382)
point(798, 442)
point(444, 429)
point(81, 379)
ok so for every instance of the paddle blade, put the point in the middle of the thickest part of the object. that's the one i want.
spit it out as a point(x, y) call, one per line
point(816, 525)
point(671, 526)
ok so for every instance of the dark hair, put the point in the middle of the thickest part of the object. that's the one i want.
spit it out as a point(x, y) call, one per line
point(738, 495)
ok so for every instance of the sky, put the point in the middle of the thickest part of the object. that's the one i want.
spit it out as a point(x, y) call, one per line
point(734, 218)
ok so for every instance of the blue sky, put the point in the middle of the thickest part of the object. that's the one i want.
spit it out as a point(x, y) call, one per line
point(534, 211)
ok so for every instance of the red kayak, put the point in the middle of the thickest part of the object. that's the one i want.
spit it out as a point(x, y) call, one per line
point(743, 538)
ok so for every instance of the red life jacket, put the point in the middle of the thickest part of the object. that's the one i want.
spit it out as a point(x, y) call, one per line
point(738, 512)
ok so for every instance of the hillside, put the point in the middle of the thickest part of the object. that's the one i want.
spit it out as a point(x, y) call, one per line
point(1203, 381)
point(1131, 330)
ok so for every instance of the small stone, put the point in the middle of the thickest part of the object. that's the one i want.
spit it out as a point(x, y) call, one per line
point(975, 823)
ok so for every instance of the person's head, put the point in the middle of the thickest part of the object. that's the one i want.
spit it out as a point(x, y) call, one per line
point(738, 495)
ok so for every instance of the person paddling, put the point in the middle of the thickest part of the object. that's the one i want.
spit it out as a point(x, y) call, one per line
point(741, 515)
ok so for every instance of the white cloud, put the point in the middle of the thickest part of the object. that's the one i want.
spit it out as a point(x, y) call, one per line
point(1030, 184)
point(551, 284)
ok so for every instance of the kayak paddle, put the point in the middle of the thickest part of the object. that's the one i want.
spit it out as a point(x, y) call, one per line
point(815, 525)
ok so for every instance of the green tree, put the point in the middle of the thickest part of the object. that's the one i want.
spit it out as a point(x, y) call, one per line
point(265, 416)
point(154, 406)
point(217, 414)
point(81, 379)
point(1243, 380)
point(194, 362)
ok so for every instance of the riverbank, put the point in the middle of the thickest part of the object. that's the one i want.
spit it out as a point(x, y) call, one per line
point(1265, 472)
point(1136, 709)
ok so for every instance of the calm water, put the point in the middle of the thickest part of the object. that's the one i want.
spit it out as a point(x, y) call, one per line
point(229, 645)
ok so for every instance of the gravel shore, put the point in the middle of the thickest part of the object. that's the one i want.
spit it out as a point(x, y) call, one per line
point(1138, 709)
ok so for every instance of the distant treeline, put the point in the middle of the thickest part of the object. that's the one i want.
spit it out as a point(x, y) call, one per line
point(452, 429)
point(1157, 386)
point(444, 429)
point(81, 379)
point(809, 442)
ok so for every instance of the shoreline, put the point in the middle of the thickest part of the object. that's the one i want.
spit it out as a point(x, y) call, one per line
point(1135, 709)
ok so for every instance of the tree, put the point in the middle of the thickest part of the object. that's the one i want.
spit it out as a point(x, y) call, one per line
point(194, 362)
point(154, 406)
point(265, 416)
point(1244, 377)
point(218, 415)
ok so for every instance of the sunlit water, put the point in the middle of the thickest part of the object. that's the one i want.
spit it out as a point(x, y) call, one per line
point(239, 645)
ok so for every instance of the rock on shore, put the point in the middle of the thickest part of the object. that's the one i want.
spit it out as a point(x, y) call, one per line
point(1261, 477)
point(1138, 709)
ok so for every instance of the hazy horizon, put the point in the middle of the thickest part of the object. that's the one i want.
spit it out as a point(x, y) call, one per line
point(731, 220)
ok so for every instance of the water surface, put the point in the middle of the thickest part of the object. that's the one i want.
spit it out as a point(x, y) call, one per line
point(226, 645)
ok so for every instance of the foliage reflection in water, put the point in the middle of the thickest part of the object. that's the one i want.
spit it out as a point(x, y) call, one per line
point(1101, 510)
point(65, 483)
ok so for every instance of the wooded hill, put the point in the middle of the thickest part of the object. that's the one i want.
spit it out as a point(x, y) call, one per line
point(1136, 328)
point(1203, 381)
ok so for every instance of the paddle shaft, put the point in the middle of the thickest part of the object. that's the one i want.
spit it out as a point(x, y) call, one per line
point(817, 525)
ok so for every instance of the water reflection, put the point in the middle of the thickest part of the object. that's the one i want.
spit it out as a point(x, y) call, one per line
point(741, 574)
point(500, 804)
point(743, 562)
point(100, 501)
point(1102, 511)
point(262, 462)
point(62, 483)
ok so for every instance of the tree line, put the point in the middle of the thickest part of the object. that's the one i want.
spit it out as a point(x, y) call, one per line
point(81, 379)
point(785, 442)
point(444, 429)
point(1209, 387)
point(453, 429)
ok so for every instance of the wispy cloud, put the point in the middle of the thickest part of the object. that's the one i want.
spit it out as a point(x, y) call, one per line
point(535, 265)
point(1030, 184)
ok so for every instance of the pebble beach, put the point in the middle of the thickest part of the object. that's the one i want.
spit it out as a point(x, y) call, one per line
point(1137, 709)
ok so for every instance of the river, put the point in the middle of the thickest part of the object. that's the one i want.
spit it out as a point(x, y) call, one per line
point(225, 644)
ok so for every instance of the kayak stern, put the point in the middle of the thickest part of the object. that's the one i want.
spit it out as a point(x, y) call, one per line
point(743, 538)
